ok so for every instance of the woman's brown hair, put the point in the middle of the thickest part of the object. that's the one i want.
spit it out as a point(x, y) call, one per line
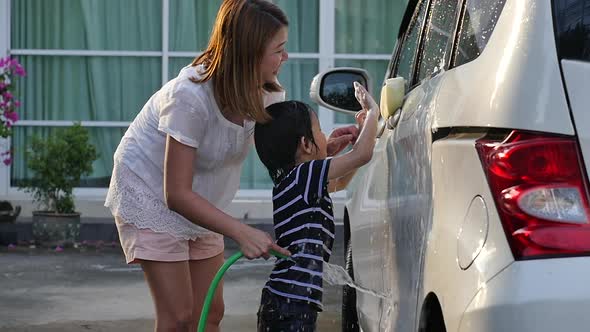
point(242, 30)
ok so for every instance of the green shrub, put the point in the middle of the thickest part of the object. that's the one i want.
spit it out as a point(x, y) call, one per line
point(58, 162)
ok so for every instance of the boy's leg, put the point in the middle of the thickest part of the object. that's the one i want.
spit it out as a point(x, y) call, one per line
point(287, 322)
point(280, 315)
point(304, 321)
point(268, 308)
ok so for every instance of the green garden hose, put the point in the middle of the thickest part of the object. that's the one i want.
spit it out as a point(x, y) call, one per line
point(217, 279)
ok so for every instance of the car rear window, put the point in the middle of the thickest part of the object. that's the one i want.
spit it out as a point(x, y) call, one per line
point(478, 23)
point(572, 28)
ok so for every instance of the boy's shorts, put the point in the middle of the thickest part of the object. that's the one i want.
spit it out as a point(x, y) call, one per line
point(145, 244)
point(277, 314)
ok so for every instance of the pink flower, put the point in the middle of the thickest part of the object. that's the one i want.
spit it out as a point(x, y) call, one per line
point(19, 70)
point(8, 68)
point(12, 116)
point(12, 65)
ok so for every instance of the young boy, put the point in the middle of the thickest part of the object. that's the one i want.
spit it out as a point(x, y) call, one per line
point(293, 149)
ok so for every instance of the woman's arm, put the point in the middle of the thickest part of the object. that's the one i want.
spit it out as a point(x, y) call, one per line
point(362, 151)
point(340, 138)
point(341, 182)
point(178, 179)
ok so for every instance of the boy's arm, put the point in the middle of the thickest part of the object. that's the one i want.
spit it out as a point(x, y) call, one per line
point(362, 151)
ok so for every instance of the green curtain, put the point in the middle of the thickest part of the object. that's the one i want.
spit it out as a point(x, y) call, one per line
point(84, 88)
point(191, 23)
point(176, 64)
point(87, 88)
point(368, 26)
point(132, 25)
point(303, 18)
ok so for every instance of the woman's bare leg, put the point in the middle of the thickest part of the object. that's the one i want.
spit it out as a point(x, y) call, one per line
point(171, 288)
point(202, 273)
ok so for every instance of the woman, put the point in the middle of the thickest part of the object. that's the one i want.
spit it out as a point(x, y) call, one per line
point(179, 163)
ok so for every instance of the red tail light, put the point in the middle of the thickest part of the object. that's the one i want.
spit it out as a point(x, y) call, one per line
point(540, 190)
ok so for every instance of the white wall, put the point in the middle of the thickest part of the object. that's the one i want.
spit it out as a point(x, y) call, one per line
point(4, 43)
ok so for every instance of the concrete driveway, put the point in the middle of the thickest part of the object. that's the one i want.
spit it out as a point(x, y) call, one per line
point(92, 289)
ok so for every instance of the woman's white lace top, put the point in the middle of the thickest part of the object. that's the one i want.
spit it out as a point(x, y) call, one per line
point(188, 112)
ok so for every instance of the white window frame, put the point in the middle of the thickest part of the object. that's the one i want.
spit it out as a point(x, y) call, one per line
point(326, 57)
point(4, 46)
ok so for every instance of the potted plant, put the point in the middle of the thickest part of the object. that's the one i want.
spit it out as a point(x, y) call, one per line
point(57, 163)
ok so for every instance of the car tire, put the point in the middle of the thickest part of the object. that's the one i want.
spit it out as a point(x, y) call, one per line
point(349, 314)
point(431, 318)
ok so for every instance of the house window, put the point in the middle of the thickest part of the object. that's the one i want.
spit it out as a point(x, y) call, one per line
point(98, 61)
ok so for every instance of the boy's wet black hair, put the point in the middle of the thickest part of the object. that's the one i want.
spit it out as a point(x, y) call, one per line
point(277, 141)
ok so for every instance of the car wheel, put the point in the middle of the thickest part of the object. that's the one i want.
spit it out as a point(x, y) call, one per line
point(349, 315)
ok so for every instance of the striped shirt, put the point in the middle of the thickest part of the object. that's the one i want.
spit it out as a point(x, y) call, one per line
point(304, 224)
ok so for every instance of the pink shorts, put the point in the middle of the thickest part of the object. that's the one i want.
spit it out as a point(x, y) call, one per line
point(145, 244)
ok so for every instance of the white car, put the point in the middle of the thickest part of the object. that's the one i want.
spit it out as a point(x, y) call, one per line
point(473, 214)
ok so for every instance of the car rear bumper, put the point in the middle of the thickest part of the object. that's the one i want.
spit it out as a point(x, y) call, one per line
point(537, 295)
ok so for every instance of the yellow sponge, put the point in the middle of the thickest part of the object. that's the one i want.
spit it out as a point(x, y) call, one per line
point(392, 96)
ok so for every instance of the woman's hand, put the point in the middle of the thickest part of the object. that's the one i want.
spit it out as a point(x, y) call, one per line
point(340, 138)
point(255, 243)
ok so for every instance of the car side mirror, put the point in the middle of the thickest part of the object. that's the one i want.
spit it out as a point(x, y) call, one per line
point(334, 88)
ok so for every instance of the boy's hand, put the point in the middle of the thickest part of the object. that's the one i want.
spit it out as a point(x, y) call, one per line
point(360, 117)
point(364, 98)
